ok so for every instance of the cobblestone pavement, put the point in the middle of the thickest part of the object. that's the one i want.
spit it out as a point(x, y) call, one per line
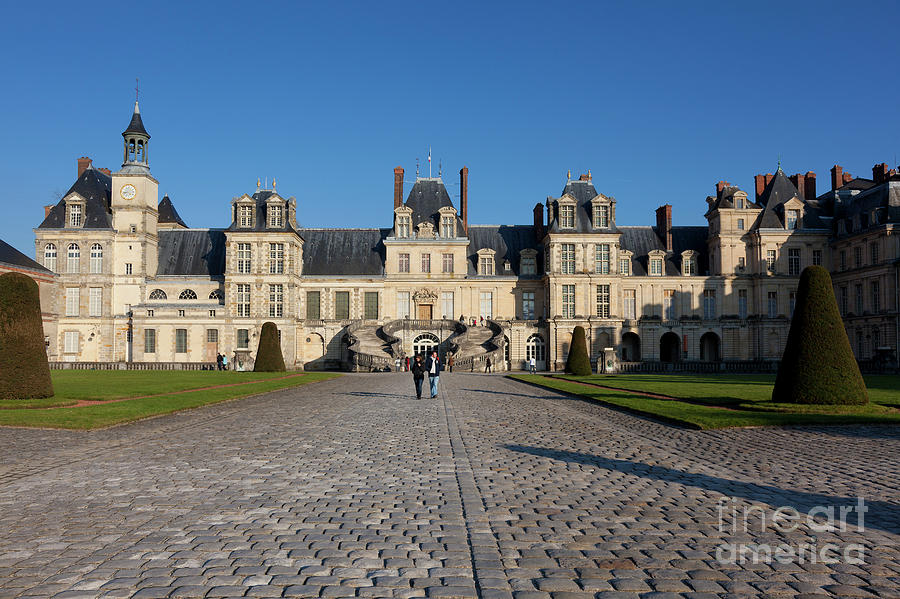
point(496, 490)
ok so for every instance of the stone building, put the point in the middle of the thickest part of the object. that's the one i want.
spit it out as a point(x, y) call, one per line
point(12, 260)
point(138, 285)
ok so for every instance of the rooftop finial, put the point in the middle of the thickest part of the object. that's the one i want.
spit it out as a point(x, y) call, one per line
point(417, 167)
point(569, 175)
point(779, 162)
point(440, 168)
point(590, 177)
point(257, 183)
point(273, 183)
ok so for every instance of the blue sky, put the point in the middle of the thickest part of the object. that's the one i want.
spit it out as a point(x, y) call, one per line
point(659, 99)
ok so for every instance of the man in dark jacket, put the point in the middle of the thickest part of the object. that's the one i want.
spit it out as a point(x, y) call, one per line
point(418, 372)
point(433, 367)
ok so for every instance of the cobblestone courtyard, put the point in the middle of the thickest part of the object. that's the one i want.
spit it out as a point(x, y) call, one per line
point(496, 490)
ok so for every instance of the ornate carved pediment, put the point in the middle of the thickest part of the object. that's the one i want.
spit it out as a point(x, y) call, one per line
point(424, 296)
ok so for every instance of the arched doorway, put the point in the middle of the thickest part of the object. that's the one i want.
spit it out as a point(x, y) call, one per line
point(506, 348)
point(668, 347)
point(537, 349)
point(312, 350)
point(709, 348)
point(425, 343)
point(631, 347)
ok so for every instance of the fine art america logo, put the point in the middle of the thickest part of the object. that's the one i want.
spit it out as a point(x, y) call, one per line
point(755, 521)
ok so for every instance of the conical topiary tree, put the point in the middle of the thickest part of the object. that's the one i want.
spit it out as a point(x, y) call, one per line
point(24, 371)
point(578, 362)
point(268, 355)
point(818, 366)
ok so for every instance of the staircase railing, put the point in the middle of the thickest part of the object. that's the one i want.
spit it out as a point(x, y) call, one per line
point(496, 352)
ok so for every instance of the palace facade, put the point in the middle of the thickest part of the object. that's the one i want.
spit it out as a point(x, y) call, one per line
point(136, 284)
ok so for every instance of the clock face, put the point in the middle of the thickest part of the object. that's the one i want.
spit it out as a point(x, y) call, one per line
point(128, 191)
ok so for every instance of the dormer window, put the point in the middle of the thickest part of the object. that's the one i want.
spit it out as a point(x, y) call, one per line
point(567, 217)
point(601, 217)
point(528, 262)
point(76, 215)
point(245, 216)
point(688, 264)
point(448, 227)
point(486, 262)
point(656, 263)
point(403, 226)
point(793, 216)
point(276, 216)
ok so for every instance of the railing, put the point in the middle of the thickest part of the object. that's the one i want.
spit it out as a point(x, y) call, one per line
point(729, 366)
point(132, 365)
point(496, 352)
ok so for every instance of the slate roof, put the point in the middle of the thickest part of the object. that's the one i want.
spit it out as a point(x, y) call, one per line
point(725, 198)
point(779, 191)
point(583, 192)
point(260, 198)
point(94, 186)
point(344, 251)
point(642, 240)
point(13, 257)
point(136, 125)
point(884, 198)
point(507, 241)
point(168, 214)
point(199, 252)
point(426, 197)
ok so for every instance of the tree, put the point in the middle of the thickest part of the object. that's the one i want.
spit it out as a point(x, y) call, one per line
point(818, 366)
point(24, 371)
point(578, 362)
point(268, 355)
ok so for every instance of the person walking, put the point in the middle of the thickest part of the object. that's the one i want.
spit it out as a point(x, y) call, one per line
point(433, 367)
point(218, 361)
point(224, 362)
point(418, 373)
point(450, 363)
point(487, 365)
point(532, 365)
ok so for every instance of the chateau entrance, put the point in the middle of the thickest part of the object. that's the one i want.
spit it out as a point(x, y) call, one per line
point(668, 348)
point(425, 343)
point(425, 311)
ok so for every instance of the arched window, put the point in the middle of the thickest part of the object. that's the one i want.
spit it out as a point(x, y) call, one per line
point(96, 258)
point(158, 294)
point(216, 294)
point(535, 348)
point(50, 257)
point(188, 294)
point(425, 343)
point(73, 263)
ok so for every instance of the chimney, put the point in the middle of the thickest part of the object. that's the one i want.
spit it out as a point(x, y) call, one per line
point(847, 178)
point(760, 185)
point(398, 186)
point(837, 177)
point(720, 186)
point(880, 173)
point(105, 171)
point(799, 182)
point(584, 178)
point(47, 210)
point(84, 163)
point(664, 225)
point(464, 197)
point(810, 186)
point(538, 222)
point(769, 178)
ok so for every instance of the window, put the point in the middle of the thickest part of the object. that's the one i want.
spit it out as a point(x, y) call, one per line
point(243, 258)
point(73, 262)
point(70, 343)
point(690, 266)
point(129, 269)
point(276, 258)
point(860, 344)
point(212, 313)
point(741, 263)
point(96, 258)
point(603, 301)
point(75, 215)
point(216, 294)
point(370, 305)
point(656, 266)
point(625, 266)
point(770, 260)
point(528, 305)
point(567, 217)
point(817, 257)
point(149, 313)
point(630, 304)
point(313, 305)
point(342, 305)
point(212, 335)
point(426, 263)
point(447, 308)
point(243, 339)
point(403, 304)
point(875, 289)
point(486, 265)
point(243, 300)
point(568, 301)
point(181, 313)
point(534, 348)
point(158, 294)
point(843, 260)
point(149, 341)
point(876, 338)
point(601, 258)
point(181, 340)
point(792, 302)
point(448, 227)
point(404, 262)
point(50, 257)
point(740, 204)
point(486, 305)
point(403, 226)
point(859, 299)
point(187, 294)
point(845, 301)
point(709, 304)
point(669, 304)
point(276, 301)
point(447, 263)
point(857, 256)
point(792, 217)
point(873, 253)
point(740, 224)
point(245, 216)
point(794, 262)
point(276, 217)
point(568, 258)
point(742, 304)
point(95, 303)
point(72, 299)
point(601, 217)
point(528, 265)
point(773, 304)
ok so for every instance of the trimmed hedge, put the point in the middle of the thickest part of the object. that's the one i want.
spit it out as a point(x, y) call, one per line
point(24, 371)
point(818, 366)
point(578, 362)
point(268, 355)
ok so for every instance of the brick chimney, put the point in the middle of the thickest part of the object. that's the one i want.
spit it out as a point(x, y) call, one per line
point(769, 178)
point(847, 178)
point(398, 186)
point(837, 176)
point(105, 171)
point(84, 163)
point(584, 178)
point(810, 186)
point(664, 225)
point(760, 185)
point(464, 197)
point(720, 186)
point(799, 182)
point(538, 222)
point(47, 210)
point(880, 173)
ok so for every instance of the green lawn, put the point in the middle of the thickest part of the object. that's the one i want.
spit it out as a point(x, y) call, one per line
point(72, 386)
point(716, 401)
